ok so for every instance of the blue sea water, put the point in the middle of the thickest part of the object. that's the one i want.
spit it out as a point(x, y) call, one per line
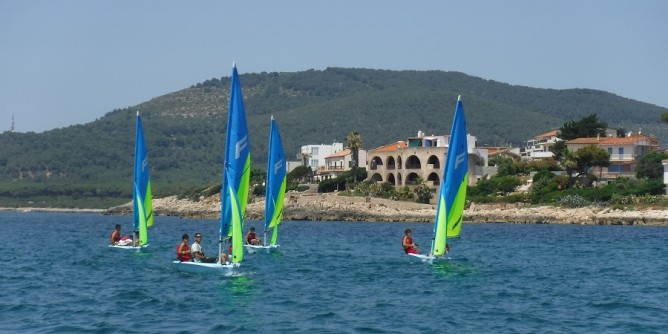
point(59, 276)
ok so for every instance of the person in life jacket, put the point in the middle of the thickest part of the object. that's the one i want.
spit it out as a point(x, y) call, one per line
point(251, 239)
point(182, 249)
point(115, 236)
point(407, 242)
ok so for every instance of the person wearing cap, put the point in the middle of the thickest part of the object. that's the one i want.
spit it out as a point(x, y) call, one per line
point(251, 239)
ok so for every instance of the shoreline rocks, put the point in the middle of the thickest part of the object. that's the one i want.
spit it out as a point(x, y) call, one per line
point(326, 207)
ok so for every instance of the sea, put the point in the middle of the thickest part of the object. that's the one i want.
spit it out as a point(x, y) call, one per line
point(60, 276)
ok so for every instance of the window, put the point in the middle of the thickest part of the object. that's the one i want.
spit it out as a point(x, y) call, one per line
point(615, 169)
point(314, 151)
point(610, 150)
point(314, 163)
point(621, 150)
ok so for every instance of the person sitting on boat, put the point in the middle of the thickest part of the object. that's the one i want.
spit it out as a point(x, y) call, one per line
point(182, 250)
point(198, 254)
point(115, 236)
point(407, 242)
point(251, 239)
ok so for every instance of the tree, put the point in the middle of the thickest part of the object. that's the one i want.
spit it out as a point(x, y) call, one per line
point(664, 117)
point(558, 149)
point(354, 144)
point(650, 165)
point(580, 162)
point(587, 127)
point(304, 156)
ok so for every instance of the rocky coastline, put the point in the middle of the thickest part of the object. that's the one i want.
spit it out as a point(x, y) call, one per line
point(326, 207)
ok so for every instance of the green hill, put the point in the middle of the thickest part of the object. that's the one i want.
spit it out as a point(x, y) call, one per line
point(92, 163)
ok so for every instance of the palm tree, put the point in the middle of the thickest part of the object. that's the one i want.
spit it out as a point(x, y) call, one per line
point(354, 144)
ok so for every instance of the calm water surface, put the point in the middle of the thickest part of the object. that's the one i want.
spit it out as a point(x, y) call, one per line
point(334, 277)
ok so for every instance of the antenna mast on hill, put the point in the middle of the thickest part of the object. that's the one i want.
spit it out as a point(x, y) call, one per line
point(12, 128)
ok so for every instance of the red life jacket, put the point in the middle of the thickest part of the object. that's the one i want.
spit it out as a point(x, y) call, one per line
point(249, 237)
point(183, 257)
point(409, 241)
point(115, 236)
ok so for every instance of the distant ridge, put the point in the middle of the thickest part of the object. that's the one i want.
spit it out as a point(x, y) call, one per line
point(184, 129)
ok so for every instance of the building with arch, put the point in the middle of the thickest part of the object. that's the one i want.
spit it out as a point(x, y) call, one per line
point(402, 162)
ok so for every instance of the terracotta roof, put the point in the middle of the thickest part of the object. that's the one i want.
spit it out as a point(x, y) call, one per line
point(625, 140)
point(390, 147)
point(552, 133)
point(341, 153)
point(633, 139)
point(589, 141)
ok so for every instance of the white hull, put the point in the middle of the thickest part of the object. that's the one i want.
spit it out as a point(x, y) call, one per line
point(258, 248)
point(428, 258)
point(137, 248)
point(199, 267)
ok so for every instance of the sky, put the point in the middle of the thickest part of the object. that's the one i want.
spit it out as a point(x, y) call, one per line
point(72, 61)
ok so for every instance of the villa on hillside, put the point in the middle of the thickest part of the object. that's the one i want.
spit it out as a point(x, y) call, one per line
point(624, 152)
point(402, 162)
point(338, 163)
point(540, 146)
point(314, 155)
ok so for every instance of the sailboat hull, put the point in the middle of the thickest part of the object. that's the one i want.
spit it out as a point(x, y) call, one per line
point(258, 248)
point(137, 248)
point(428, 258)
point(203, 268)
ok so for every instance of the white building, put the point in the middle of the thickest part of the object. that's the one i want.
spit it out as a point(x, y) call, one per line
point(539, 147)
point(314, 155)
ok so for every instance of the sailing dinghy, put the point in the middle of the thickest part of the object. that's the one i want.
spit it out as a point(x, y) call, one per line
point(451, 199)
point(234, 192)
point(275, 190)
point(142, 203)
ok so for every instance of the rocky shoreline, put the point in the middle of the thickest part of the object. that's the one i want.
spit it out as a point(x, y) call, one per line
point(326, 207)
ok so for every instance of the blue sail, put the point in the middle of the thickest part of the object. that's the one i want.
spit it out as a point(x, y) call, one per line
point(275, 184)
point(142, 197)
point(452, 197)
point(237, 155)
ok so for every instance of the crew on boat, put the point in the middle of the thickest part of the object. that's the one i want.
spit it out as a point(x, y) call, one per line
point(251, 239)
point(407, 242)
point(182, 249)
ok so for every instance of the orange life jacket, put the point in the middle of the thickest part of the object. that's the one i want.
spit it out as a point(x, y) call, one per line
point(180, 248)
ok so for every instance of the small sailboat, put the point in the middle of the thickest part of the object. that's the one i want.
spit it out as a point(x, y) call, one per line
point(275, 190)
point(452, 197)
point(237, 255)
point(236, 177)
point(142, 202)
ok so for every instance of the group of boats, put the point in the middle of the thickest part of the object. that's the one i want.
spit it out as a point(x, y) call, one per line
point(235, 189)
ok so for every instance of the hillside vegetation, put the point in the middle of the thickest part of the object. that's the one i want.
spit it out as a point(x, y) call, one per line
point(92, 163)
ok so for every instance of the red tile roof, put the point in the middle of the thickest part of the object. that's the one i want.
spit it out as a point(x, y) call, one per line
point(550, 134)
point(390, 147)
point(341, 153)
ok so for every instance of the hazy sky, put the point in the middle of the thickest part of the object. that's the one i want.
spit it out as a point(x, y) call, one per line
point(71, 61)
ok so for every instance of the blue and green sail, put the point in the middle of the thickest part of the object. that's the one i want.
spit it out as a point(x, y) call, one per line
point(235, 223)
point(237, 155)
point(275, 184)
point(142, 197)
point(452, 197)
